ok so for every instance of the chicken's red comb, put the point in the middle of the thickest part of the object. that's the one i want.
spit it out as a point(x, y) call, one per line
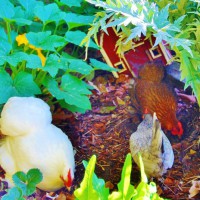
point(69, 180)
point(178, 130)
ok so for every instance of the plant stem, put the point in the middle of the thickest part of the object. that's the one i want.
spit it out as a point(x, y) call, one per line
point(8, 32)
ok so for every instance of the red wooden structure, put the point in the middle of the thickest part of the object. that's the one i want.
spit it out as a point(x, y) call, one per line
point(142, 52)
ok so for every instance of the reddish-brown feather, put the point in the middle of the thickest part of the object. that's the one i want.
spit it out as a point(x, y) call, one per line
point(155, 96)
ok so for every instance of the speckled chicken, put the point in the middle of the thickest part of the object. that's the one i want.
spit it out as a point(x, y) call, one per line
point(153, 145)
point(153, 95)
point(31, 141)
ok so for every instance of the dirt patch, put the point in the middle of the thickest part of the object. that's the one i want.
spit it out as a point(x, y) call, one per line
point(106, 132)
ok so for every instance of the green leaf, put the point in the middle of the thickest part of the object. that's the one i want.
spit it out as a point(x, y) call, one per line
point(13, 193)
point(74, 85)
point(6, 89)
point(189, 73)
point(24, 84)
point(77, 65)
point(68, 92)
point(73, 20)
point(45, 40)
point(160, 36)
point(29, 7)
point(33, 62)
point(3, 33)
point(49, 13)
point(99, 185)
point(37, 39)
point(161, 19)
point(53, 64)
point(76, 38)
point(101, 66)
point(34, 176)
point(86, 190)
point(17, 57)
point(20, 180)
point(6, 9)
point(71, 108)
point(125, 190)
point(70, 3)
point(78, 100)
point(137, 32)
point(27, 182)
point(5, 46)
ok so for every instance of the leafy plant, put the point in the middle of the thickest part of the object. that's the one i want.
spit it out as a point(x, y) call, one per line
point(25, 184)
point(40, 52)
point(176, 23)
point(94, 188)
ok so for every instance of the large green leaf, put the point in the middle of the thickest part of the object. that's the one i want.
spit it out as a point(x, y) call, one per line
point(73, 20)
point(29, 7)
point(25, 85)
point(45, 40)
point(3, 33)
point(101, 65)
point(5, 48)
point(74, 85)
point(33, 61)
point(71, 3)
point(68, 92)
point(76, 38)
point(53, 64)
point(77, 65)
point(86, 190)
point(17, 57)
point(49, 13)
point(6, 89)
point(99, 185)
point(7, 10)
point(125, 190)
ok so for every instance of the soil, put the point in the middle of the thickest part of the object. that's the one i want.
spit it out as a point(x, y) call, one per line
point(105, 130)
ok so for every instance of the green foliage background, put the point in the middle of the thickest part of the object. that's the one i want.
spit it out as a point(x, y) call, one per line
point(176, 21)
point(57, 28)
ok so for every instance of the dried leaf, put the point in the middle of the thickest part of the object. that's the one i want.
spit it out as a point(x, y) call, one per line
point(195, 188)
point(107, 109)
point(120, 101)
point(192, 152)
point(169, 181)
point(109, 185)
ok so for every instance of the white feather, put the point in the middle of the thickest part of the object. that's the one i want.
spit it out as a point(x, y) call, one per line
point(31, 141)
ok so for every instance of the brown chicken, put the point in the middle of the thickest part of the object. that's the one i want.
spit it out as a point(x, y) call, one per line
point(153, 95)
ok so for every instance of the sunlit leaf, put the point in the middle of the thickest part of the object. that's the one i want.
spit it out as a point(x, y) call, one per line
point(73, 20)
point(86, 190)
point(71, 3)
point(76, 37)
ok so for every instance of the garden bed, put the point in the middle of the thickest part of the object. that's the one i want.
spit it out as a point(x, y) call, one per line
point(106, 134)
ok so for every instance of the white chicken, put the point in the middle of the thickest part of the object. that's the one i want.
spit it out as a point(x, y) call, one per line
point(153, 145)
point(31, 141)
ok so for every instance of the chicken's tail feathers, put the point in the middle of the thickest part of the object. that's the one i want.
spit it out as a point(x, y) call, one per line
point(157, 133)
